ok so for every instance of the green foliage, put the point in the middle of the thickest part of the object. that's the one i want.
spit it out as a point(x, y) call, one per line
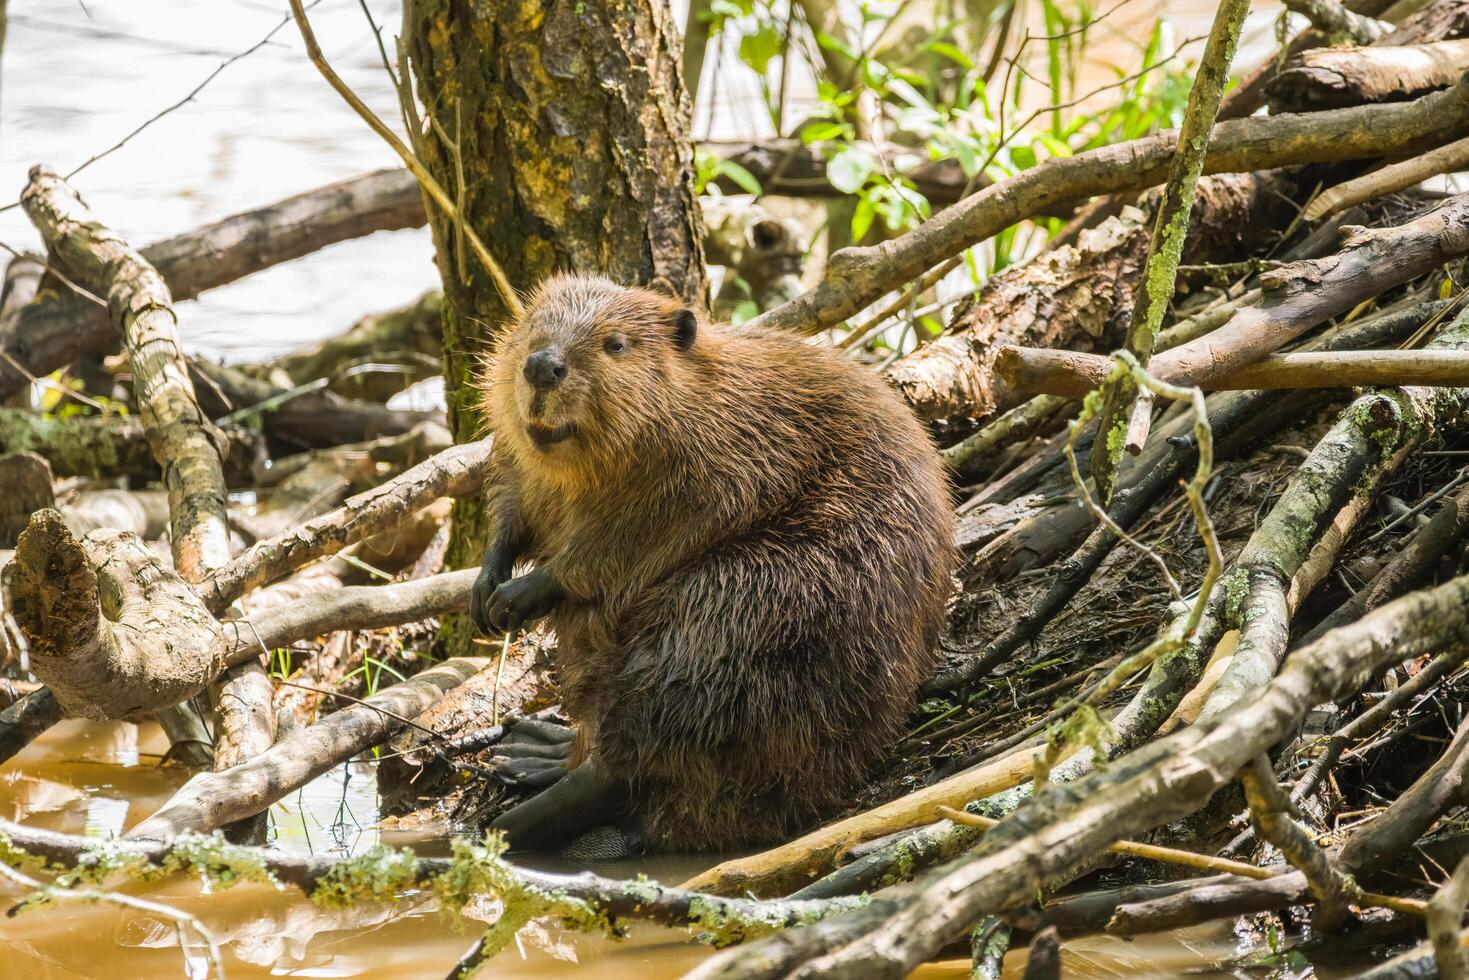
point(946, 97)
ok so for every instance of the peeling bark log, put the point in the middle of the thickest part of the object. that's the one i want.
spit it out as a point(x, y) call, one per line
point(58, 328)
point(1328, 78)
point(456, 472)
point(1078, 295)
point(856, 277)
point(1249, 95)
point(1408, 567)
point(113, 632)
point(215, 799)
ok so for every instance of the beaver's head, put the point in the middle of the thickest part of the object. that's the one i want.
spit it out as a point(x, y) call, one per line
point(584, 378)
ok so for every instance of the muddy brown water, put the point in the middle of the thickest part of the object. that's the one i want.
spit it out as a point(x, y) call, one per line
point(99, 779)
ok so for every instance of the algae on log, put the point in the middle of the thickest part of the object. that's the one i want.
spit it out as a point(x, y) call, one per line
point(1120, 399)
point(563, 129)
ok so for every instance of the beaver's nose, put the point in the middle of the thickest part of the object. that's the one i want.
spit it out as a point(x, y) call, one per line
point(545, 369)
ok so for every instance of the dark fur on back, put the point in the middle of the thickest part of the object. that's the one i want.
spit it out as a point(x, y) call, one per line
point(755, 538)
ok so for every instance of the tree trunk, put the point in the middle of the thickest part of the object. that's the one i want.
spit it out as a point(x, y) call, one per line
point(569, 124)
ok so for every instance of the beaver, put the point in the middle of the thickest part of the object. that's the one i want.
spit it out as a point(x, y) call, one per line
point(744, 543)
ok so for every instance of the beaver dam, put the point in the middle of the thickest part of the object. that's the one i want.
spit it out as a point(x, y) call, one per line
point(870, 490)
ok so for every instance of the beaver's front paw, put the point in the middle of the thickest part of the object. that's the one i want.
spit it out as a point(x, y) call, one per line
point(522, 600)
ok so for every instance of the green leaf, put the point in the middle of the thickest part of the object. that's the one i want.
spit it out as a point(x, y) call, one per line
point(849, 169)
point(949, 51)
point(820, 132)
point(740, 176)
point(757, 49)
point(862, 217)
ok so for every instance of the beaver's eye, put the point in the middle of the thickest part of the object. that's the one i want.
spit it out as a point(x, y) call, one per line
point(614, 345)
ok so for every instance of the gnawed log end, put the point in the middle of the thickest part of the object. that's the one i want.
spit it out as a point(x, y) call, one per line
point(113, 632)
point(53, 588)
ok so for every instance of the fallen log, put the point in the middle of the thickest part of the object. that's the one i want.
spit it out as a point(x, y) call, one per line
point(58, 328)
point(108, 446)
point(1071, 375)
point(856, 277)
point(1328, 78)
point(213, 800)
point(113, 632)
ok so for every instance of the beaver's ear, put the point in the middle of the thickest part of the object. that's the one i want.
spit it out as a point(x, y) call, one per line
point(685, 328)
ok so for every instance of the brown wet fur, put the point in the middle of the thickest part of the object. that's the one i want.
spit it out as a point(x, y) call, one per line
point(755, 540)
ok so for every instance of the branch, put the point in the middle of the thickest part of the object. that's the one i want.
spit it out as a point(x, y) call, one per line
point(1159, 280)
point(212, 800)
point(1066, 825)
point(384, 874)
point(459, 471)
point(1036, 371)
point(1271, 811)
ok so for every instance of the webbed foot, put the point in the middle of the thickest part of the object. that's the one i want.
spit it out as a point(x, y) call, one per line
point(534, 753)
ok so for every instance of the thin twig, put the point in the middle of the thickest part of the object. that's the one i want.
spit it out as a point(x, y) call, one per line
point(415, 166)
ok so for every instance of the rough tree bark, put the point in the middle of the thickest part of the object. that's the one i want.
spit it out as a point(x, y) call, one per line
point(564, 131)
